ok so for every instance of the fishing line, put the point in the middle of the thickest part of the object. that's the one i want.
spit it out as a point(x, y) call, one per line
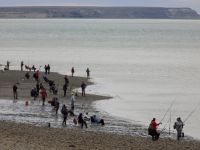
point(191, 113)
point(168, 110)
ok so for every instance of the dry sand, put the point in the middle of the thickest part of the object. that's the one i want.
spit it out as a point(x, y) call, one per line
point(16, 136)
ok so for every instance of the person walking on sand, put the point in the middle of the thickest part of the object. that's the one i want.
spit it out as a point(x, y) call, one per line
point(83, 86)
point(22, 65)
point(15, 91)
point(72, 99)
point(72, 71)
point(64, 112)
point(88, 73)
point(153, 129)
point(178, 125)
point(43, 95)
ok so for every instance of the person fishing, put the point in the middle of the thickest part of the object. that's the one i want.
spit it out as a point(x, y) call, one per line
point(153, 129)
point(178, 125)
point(88, 73)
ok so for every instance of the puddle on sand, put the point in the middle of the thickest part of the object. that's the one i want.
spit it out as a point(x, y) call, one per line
point(39, 115)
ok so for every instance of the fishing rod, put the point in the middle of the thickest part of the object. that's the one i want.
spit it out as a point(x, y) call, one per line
point(168, 110)
point(191, 113)
point(170, 119)
point(165, 126)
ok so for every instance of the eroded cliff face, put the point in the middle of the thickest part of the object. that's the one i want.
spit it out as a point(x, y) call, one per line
point(185, 13)
point(98, 12)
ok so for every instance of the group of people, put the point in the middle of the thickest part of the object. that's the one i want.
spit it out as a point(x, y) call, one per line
point(47, 69)
point(82, 118)
point(40, 90)
point(152, 130)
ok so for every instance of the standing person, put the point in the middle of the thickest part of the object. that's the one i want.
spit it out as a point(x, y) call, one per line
point(153, 129)
point(27, 75)
point(88, 73)
point(8, 65)
point(65, 89)
point(37, 87)
point(48, 69)
point(36, 75)
point(72, 71)
point(64, 112)
point(22, 65)
point(43, 95)
point(45, 68)
point(72, 100)
point(81, 121)
point(178, 125)
point(83, 86)
point(34, 93)
point(57, 105)
point(15, 91)
point(66, 80)
point(33, 68)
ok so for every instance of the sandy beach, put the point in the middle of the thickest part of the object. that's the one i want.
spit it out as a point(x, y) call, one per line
point(19, 136)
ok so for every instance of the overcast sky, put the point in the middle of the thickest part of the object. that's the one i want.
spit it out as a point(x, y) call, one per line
point(194, 4)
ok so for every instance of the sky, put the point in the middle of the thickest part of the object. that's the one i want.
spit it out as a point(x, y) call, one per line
point(194, 4)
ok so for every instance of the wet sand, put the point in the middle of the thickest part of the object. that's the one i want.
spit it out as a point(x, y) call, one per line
point(23, 136)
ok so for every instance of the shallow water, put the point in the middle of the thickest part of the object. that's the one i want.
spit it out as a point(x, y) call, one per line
point(36, 114)
point(143, 64)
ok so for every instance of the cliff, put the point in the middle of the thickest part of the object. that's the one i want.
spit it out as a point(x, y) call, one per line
point(98, 12)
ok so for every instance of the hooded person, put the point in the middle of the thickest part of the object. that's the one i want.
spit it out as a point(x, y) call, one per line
point(178, 125)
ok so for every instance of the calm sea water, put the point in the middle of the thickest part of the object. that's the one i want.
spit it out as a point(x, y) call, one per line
point(144, 64)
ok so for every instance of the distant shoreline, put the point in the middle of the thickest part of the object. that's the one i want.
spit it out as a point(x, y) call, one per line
point(95, 12)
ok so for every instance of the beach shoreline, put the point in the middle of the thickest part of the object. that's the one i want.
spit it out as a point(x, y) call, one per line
point(16, 136)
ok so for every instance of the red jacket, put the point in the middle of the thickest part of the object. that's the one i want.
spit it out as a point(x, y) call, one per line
point(154, 125)
point(43, 94)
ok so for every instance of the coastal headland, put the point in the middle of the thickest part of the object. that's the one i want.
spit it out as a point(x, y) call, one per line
point(20, 136)
point(98, 12)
